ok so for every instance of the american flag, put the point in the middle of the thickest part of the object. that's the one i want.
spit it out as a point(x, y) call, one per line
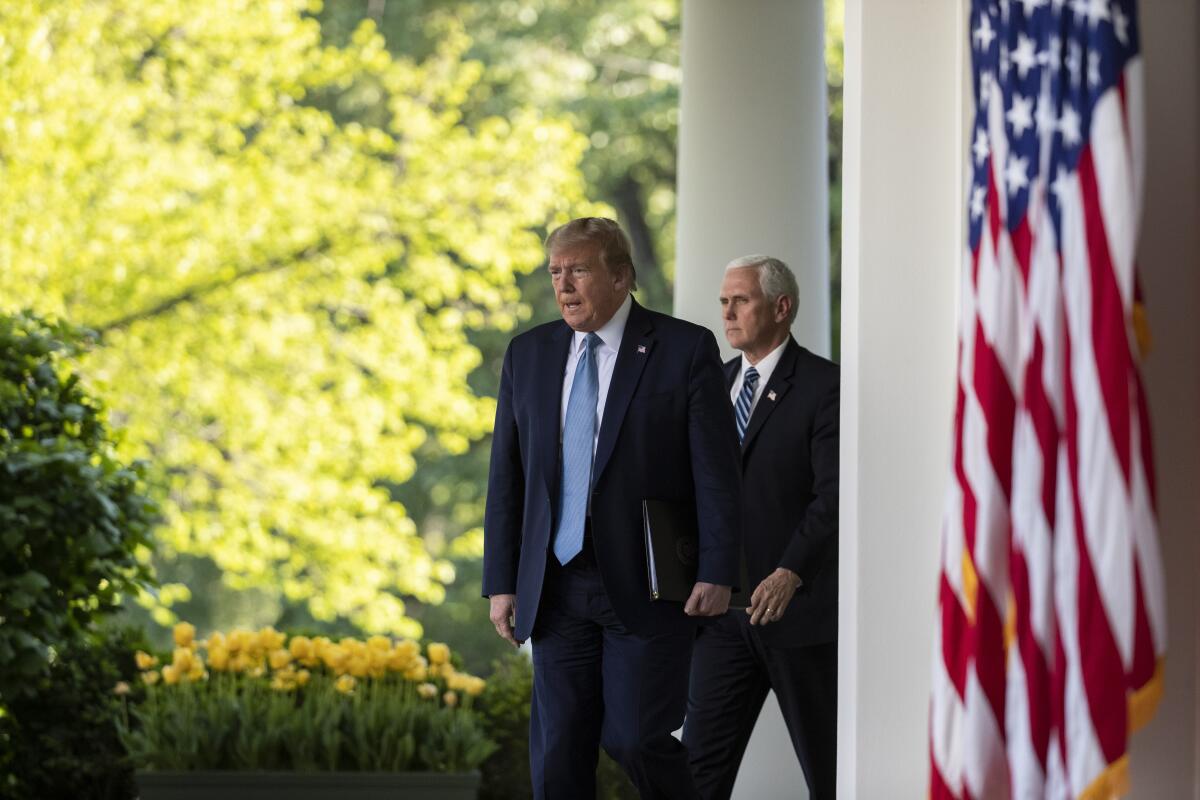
point(1051, 628)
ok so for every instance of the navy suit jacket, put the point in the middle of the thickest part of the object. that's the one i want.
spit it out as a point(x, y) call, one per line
point(667, 433)
point(790, 481)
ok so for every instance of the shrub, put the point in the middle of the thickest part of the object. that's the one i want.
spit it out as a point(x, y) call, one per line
point(61, 737)
point(71, 514)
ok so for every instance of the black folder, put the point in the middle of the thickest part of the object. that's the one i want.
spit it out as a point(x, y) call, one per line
point(673, 553)
point(672, 549)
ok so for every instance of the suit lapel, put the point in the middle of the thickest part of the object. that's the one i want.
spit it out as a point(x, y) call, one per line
point(553, 349)
point(773, 392)
point(732, 368)
point(636, 345)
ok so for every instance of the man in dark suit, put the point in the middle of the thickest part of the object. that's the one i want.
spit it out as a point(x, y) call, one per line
point(610, 406)
point(786, 405)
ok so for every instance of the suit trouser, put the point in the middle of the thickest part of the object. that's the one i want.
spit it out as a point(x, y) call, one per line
point(596, 684)
point(732, 671)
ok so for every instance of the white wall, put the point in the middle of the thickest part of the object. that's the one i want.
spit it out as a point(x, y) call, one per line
point(1165, 756)
point(752, 174)
point(902, 226)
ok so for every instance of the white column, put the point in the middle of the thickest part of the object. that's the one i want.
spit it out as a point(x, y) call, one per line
point(753, 179)
point(901, 244)
point(752, 173)
point(1165, 758)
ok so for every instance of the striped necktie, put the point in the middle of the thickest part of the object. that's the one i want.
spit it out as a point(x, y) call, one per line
point(741, 408)
point(579, 431)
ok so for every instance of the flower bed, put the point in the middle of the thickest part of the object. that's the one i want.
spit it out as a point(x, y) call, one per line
point(261, 701)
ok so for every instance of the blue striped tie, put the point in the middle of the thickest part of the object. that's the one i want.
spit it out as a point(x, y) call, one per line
point(579, 431)
point(741, 408)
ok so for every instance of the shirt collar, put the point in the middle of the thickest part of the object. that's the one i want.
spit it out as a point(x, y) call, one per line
point(767, 363)
point(610, 333)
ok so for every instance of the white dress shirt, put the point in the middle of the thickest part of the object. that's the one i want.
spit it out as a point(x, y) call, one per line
point(606, 358)
point(765, 367)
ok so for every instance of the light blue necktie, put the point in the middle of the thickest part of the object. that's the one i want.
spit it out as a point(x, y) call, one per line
point(741, 408)
point(578, 433)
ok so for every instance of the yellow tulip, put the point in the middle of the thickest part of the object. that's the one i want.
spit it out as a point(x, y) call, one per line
point(145, 660)
point(170, 674)
point(476, 686)
point(302, 677)
point(358, 666)
point(239, 640)
point(270, 639)
point(150, 677)
point(303, 650)
point(284, 680)
point(408, 648)
point(379, 643)
point(218, 657)
point(185, 634)
point(216, 639)
point(319, 646)
point(438, 653)
point(450, 699)
point(345, 684)
point(416, 671)
point(398, 660)
point(184, 659)
point(427, 690)
point(377, 661)
point(335, 657)
point(279, 658)
point(243, 662)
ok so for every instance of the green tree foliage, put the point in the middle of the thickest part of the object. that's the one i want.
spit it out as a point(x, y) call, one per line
point(71, 512)
point(283, 244)
point(610, 67)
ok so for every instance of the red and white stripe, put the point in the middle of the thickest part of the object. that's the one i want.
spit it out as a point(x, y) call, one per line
point(1051, 628)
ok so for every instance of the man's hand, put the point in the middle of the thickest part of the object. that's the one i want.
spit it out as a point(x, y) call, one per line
point(503, 613)
point(707, 600)
point(772, 596)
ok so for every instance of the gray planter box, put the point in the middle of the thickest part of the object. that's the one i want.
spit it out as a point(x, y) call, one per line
point(307, 785)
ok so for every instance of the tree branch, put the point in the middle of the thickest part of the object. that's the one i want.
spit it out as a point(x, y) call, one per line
point(196, 292)
point(670, 73)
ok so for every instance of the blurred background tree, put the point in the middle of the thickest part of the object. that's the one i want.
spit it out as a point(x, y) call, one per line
point(283, 245)
point(306, 234)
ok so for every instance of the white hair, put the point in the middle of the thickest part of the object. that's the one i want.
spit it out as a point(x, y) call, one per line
point(775, 278)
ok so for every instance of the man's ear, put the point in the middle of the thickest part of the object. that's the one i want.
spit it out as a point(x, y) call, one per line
point(783, 307)
point(621, 277)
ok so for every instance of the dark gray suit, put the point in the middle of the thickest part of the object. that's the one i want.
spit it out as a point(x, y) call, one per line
point(790, 519)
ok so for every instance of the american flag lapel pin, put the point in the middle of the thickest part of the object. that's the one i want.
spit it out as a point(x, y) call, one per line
point(771, 395)
point(642, 349)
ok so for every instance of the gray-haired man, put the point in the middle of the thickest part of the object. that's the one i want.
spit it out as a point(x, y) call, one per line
point(786, 404)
